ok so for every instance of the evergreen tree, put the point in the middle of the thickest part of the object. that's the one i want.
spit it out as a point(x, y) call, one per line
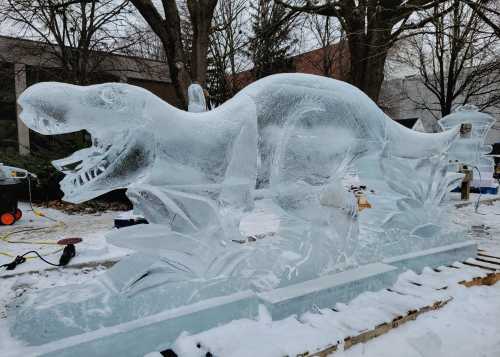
point(271, 41)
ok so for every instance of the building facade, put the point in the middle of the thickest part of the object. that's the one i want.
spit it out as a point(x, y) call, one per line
point(25, 62)
point(408, 101)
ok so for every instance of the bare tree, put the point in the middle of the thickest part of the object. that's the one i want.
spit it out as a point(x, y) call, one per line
point(329, 38)
point(488, 11)
point(168, 29)
point(371, 28)
point(457, 60)
point(144, 43)
point(227, 41)
point(77, 32)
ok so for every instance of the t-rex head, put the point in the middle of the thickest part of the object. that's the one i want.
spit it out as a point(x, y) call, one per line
point(113, 114)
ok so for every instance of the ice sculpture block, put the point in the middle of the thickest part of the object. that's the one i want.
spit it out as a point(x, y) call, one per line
point(470, 149)
point(350, 185)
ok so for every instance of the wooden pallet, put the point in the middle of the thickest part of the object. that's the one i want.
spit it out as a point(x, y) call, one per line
point(487, 201)
point(488, 264)
point(412, 295)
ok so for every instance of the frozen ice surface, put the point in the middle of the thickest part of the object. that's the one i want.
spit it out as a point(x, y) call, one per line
point(301, 140)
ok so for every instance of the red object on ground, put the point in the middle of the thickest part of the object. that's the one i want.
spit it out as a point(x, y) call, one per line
point(66, 241)
point(7, 219)
point(18, 214)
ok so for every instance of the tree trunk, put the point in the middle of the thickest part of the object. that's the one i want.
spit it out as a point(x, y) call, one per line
point(375, 69)
point(201, 13)
point(174, 50)
point(169, 32)
point(371, 30)
point(367, 59)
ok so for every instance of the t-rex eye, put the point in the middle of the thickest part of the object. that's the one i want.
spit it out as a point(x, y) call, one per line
point(112, 94)
point(109, 97)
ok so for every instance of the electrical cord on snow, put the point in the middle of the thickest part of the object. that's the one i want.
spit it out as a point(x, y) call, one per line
point(22, 258)
point(478, 201)
point(36, 212)
point(69, 252)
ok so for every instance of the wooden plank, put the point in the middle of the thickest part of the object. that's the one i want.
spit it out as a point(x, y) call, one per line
point(486, 201)
point(377, 331)
point(490, 261)
point(482, 264)
point(485, 276)
point(477, 272)
point(484, 253)
point(490, 279)
point(488, 258)
point(474, 282)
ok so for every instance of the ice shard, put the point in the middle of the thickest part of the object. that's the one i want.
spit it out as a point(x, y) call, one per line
point(196, 97)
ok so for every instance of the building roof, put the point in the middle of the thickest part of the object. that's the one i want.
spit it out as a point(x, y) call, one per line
point(39, 54)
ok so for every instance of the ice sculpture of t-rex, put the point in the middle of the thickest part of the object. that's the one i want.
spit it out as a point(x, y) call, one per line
point(299, 139)
point(296, 135)
point(284, 128)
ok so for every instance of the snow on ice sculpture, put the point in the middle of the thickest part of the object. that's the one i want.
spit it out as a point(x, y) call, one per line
point(298, 139)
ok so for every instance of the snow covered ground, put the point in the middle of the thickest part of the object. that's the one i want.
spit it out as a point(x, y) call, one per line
point(32, 228)
point(484, 225)
point(467, 326)
point(93, 248)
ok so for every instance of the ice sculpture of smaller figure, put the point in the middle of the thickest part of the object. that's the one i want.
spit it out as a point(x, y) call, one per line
point(470, 149)
point(196, 96)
